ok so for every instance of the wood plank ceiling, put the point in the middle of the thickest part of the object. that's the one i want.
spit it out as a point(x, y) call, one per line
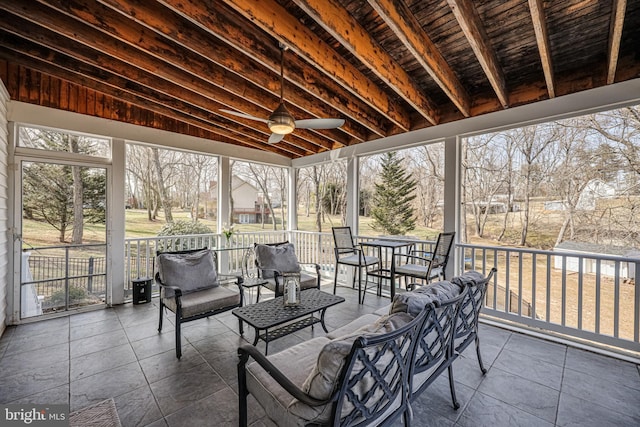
point(385, 66)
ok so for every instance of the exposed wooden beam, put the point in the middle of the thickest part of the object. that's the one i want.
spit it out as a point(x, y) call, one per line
point(228, 43)
point(406, 27)
point(207, 49)
point(346, 29)
point(277, 21)
point(24, 56)
point(615, 35)
point(542, 38)
point(191, 71)
point(474, 31)
point(120, 74)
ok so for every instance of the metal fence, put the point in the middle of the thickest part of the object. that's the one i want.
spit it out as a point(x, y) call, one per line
point(56, 277)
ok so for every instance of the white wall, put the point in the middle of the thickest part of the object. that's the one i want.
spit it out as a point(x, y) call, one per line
point(5, 248)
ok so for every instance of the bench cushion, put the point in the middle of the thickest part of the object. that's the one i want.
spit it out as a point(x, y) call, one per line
point(190, 271)
point(323, 379)
point(414, 302)
point(351, 327)
point(271, 396)
point(205, 300)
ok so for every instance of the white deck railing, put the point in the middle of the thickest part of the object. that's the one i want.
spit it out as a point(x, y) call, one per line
point(585, 297)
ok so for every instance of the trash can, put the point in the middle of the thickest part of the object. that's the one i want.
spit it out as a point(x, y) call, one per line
point(142, 290)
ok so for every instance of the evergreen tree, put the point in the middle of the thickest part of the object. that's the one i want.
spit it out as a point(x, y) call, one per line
point(392, 211)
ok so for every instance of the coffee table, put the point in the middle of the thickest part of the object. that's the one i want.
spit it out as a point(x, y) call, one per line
point(273, 317)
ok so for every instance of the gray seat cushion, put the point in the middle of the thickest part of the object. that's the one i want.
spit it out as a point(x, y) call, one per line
point(357, 260)
point(323, 380)
point(349, 328)
point(271, 396)
point(307, 281)
point(205, 300)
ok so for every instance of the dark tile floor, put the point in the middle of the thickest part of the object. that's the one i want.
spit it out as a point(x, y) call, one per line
point(86, 358)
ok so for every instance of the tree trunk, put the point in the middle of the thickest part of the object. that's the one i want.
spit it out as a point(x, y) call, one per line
point(162, 191)
point(78, 190)
point(316, 181)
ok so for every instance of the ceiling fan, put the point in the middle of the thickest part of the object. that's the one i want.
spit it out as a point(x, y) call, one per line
point(281, 122)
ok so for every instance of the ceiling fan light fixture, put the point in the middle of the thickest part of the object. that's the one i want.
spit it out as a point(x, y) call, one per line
point(281, 122)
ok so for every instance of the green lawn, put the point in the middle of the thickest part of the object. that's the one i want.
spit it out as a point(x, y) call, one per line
point(38, 233)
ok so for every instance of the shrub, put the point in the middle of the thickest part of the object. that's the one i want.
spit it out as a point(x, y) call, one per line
point(76, 294)
point(181, 228)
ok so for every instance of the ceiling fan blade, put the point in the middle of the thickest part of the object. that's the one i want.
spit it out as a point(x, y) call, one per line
point(319, 123)
point(275, 137)
point(246, 116)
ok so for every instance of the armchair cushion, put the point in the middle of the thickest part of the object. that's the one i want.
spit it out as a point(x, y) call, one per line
point(415, 301)
point(205, 301)
point(307, 281)
point(281, 258)
point(190, 271)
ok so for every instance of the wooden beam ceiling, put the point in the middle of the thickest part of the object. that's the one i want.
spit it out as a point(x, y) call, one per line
point(384, 66)
point(474, 31)
point(274, 19)
point(351, 35)
point(407, 28)
point(542, 38)
point(615, 35)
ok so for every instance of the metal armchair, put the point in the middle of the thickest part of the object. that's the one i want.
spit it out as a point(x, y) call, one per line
point(190, 287)
point(424, 265)
point(274, 259)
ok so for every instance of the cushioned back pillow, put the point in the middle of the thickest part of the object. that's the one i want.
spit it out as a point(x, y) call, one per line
point(415, 301)
point(190, 271)
point(281, 258)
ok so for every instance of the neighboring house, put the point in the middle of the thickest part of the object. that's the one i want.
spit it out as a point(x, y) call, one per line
point(248, 204)
point(594, 190)
point(589, 265)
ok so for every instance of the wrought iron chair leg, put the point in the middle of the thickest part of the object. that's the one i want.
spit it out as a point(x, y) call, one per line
point(452, 386)
point(482, 368)
point(178, 342)
point(160, 320)
point(335, 279)
point(360, 285)
point(242, 391)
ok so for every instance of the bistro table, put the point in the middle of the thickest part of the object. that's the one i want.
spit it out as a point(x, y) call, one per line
point(386, 272)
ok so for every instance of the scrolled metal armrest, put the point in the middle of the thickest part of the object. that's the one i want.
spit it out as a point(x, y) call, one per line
point(315, 265)
point(247, 350)
point(176, 289)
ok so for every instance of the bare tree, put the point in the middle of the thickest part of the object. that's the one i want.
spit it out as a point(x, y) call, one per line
point(261, 174)
point(483, 168)
point(165, 198)
point(78, 191)
point(532, 143)
point(428, 169)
